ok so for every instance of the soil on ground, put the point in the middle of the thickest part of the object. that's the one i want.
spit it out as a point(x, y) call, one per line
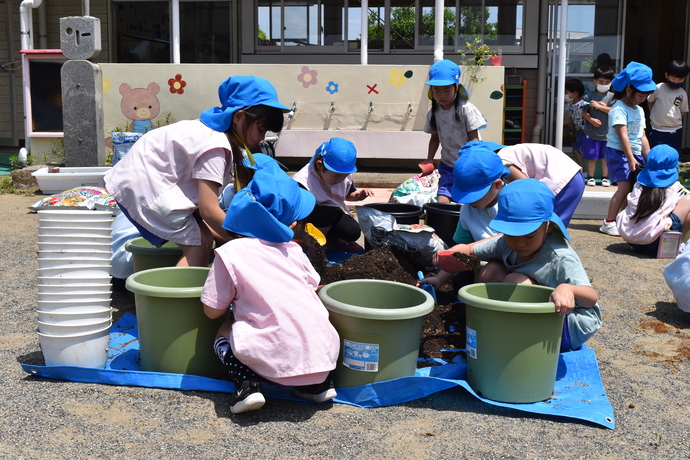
point(444, 328)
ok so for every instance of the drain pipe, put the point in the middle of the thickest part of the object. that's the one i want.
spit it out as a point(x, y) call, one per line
point(11, 69)
point(541, 71)
point(26, 29)
point(364, 42)
point(175, 18)
point(42, 35)
point(438, 31)
point(560, 91)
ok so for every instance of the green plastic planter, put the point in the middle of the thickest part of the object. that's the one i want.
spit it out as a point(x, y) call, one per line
point(513, 341)
point(146, 256)
point(175, 335)
point(380, 327)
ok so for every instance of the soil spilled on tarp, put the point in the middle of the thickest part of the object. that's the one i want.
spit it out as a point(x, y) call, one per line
point(444, 327)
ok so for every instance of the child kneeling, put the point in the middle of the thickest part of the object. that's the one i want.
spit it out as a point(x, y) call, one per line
point(281, 330)
point(531, 252)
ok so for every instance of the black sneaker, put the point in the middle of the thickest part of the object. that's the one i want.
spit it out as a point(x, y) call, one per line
point(320, 392)
point(247, 397)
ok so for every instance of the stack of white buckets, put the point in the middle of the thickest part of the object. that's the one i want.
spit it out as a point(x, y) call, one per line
point(74, 287)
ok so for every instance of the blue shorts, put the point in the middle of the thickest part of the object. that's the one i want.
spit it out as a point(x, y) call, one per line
point(619, 170)
point(593, 150)
point(148, 236)
point(577, 144)
point(445, 183)
point(653, 247)
point(674, 139)
point(569, 197)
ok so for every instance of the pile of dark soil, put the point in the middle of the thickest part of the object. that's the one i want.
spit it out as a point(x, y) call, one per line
point(444, 327)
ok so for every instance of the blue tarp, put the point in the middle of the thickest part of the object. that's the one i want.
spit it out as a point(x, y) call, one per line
point(579, 392)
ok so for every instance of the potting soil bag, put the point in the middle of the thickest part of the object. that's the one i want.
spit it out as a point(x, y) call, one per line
point(122, 142)
point(417, 190)
point(86, 198)
point(418, 242)
point(677, 275)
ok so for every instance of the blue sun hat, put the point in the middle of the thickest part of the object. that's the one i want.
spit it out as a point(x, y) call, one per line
point(237, 93)
point(635, 74)
point(445, 73)
point(493, 146)
point(338, 155)
point(661, 169)
point(268, 205)
point(523, 205)
point(474, 173)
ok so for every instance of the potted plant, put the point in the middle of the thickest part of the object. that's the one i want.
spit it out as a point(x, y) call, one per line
point(475, 55)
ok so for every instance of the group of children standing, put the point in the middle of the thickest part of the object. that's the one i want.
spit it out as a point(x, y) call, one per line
point(518, 201)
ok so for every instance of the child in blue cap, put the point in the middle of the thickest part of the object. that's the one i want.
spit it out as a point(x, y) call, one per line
point(626, 141)
point(477, 180)
point(281, 332)
point(534, 249)
point(657, 203)
point(169, 182)
point(328, 175)
point(452, 122)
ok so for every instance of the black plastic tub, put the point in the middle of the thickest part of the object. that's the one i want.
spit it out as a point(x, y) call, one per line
point(443, 217)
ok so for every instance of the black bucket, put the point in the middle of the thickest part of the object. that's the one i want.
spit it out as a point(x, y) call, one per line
point(404, 213)
point(443, 217)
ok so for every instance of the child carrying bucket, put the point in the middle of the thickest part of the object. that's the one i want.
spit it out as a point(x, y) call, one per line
point(281, 332)
point(531, 252)
point(328, 175)
point(169, 182)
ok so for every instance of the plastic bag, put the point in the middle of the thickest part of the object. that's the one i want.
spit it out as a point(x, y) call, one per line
point(122, 142)
point(418, 190)
point(418, 242)
point(677, 275)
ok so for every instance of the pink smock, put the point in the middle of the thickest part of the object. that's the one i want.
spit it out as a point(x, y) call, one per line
point(281, 329)
point(157, 181)
point(325, 195)
point(543, 162)
point(650, 228)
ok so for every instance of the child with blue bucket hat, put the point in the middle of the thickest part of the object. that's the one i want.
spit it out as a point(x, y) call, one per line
point(477, 180)
point(657, 203)
point(328, 175)
point(626, 141)
point(534, 249)
point(452, 122)
point(169, 182)
point(281, 332)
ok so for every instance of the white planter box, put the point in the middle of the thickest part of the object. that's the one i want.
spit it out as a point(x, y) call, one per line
point(69, 178)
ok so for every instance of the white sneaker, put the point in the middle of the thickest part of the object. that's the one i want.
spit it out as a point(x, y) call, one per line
point(605, 182)
point(609, 228)
point(591, 182)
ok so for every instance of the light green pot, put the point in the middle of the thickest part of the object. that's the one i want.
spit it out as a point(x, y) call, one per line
point(513, 341)
point(380, 327)
point(146, 256)
point(175, 335)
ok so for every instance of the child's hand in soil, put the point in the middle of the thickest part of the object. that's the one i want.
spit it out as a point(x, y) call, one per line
point(450, 261)
point(360, 194)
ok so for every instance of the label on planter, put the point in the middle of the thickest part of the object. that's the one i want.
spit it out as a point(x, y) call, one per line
point(361, 356)
point(471, 342)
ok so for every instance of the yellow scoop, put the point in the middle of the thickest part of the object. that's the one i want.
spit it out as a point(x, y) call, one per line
point(316, 234)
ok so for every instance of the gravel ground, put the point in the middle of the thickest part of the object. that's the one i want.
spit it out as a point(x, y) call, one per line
point(642, 349)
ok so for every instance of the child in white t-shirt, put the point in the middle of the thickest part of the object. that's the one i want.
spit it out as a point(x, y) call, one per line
point(667, 105)
point(280, 330)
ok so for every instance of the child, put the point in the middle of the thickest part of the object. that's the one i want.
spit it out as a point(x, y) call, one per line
point(668, 104)
point(574, 92)
point(531, 252)
point(477, 180)
point(168, 184)
point(550, 166)
point(626, 142)
point(328, 175)
point(281, 330)
point(596, 115)
point(656, 204)
point(452, 122)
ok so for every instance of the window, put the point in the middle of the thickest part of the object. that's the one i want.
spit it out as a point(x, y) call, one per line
point(144, 32)
point(402, 25)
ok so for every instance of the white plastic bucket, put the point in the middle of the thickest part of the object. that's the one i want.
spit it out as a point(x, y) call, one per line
point(83, 296)
point(81, 247)
point(73, 240)
point(69, 263)
point(75, 319)
point(68, 330)
point(75, 288)
point(57, 280)
point(74, 231)
point(76, 272)
point(86, 350)
point(75, 223)
point(68, 214)
point(84, 256)
point(71, 305)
